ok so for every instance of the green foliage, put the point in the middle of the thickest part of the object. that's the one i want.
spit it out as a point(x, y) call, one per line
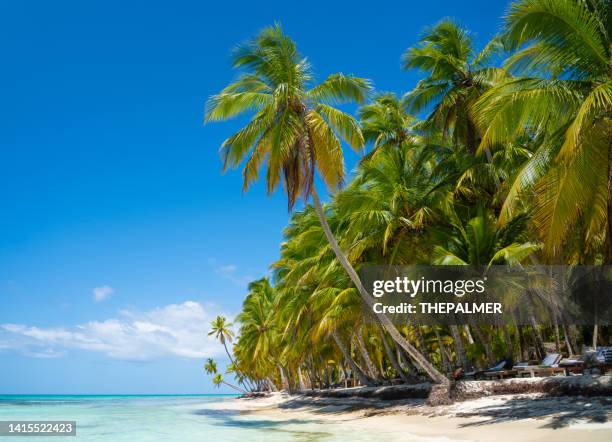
point(510, 164)
point(562, 99)
point(456, 77)
point(218, 380)
point(210, 366)
point(220, 329)
point(294, 128)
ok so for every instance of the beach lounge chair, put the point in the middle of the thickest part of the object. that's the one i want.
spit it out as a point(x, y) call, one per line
point(459, 373)
point(548, 367)
point(604, 355)
point(501, 369)
point(572, 365)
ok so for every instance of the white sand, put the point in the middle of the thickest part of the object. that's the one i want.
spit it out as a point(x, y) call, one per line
point(515, 418)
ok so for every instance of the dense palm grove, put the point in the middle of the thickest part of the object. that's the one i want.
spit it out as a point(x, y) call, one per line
point(510, 163)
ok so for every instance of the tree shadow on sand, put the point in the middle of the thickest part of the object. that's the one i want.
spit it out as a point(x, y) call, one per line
point(335, 406)
point(230, 418)
point(562, 411)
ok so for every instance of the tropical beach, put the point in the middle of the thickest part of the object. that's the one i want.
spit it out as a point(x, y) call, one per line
point(503, 418)
point(405, 236)
point(491, 175)
point(281, 417)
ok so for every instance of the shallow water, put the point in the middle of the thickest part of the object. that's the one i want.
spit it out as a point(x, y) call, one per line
point(168, 418)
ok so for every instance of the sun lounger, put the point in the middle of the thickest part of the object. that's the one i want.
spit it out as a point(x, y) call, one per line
point(604, 356)
point(479, 374)
point(541, 371)
point(500, 370)
point(548, 367)
point(572, 365)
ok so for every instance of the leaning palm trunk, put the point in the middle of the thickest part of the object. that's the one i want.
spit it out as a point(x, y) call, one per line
point(234, 364)
point(460, 354)
point(284, 382)
point(431, 371)
point(445, 362)
point(363, 379)
point(522, 343)
point(537, 337)
point(568, 343)
point(270, 385)
point(394, 362)
point(366, 356)
point(235, 388)
point(227, 352)
point(301, 384)
point(468, 334)
point(557, 335)
point(575, 338)
point(418, 334)
point(313, 375)
point(485, 340)
point(405, 363)
point(509, 342)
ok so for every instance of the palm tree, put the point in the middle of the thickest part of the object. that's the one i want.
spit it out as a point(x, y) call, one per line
point(480, 242)
point(296, 132)
point(563, 100)
point(218, 380)
point(456, 77)
point(316, 296)
point(210, 366)
point(295, 129)
point(385, 123)
point(389, 204)
point(220, 329)
point(259, 347)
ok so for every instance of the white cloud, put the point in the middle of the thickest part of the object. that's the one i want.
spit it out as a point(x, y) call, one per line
point(175, 330)
point(103, 292)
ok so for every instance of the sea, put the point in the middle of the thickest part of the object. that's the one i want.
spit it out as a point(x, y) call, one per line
point(166, 418)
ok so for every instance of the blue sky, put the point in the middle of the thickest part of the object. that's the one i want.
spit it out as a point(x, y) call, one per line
point(119, 236)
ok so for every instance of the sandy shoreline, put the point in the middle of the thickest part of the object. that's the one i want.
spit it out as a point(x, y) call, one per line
point(513, 418)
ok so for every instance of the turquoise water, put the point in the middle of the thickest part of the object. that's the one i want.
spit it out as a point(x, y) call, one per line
point(164, 418)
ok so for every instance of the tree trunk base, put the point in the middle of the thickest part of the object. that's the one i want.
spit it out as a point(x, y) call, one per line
point(440, 394)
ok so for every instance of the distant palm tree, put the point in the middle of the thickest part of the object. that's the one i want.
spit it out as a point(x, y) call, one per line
point(457, 76)
point(297, 132)
point(221, 330)
point(218, 380)
point(210, 366)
